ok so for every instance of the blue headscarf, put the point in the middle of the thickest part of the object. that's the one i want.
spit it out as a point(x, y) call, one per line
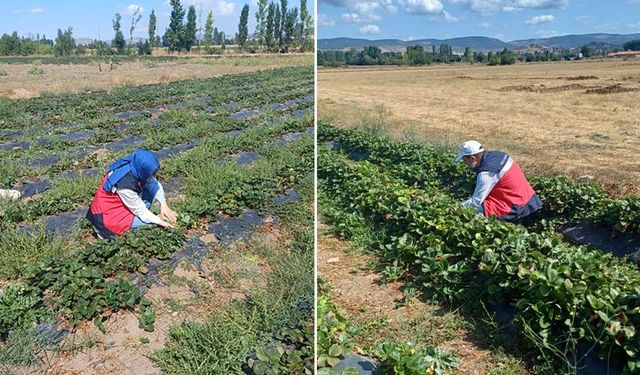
point(141, 163)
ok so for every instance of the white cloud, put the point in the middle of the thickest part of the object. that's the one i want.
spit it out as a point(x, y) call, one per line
point(357, 18)
point(483, 7)
point(324, 20)
point(449, 17)
point(17, 11)
point(366, 7)
point(634, 26)
point(484, 25)
point(546, 33)
point(389, 6)
point(131, 9)
point(370, 29)
point(422, 6)
point(486, 7)
point(219, 7)
point(607, 27)
point(367, 11)
point(536, 4)
point(540, 19)
point(36, 10)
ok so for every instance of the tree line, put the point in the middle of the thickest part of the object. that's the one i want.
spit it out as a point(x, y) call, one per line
point(417, 55)
point(279, 29)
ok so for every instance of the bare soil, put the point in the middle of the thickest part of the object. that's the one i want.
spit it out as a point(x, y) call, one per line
point(84, 78)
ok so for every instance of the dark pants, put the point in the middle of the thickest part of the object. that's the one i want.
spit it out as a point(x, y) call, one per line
point(528, 220)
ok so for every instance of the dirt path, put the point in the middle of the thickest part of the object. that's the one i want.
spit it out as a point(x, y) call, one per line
point(374, 307)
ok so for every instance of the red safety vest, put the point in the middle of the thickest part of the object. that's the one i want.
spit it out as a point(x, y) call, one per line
point(108, 211)
point(512, 189)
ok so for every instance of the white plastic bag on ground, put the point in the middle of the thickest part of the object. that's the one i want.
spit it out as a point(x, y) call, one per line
point(11, 194)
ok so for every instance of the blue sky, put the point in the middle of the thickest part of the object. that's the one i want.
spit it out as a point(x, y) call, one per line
point(503, 19)
point(92, 18)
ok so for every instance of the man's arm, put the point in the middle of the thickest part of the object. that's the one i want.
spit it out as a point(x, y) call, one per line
point(485, 182)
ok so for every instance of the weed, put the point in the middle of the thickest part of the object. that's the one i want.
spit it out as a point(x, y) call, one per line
point(19, 248)
point(175, 305)
point(36, 69)
point(377, 123)
point(144, 340)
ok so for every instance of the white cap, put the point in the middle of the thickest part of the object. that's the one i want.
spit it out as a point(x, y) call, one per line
point(469, 148)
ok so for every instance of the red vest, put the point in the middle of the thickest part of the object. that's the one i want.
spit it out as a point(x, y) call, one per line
point(109, 212)
point(512, 189)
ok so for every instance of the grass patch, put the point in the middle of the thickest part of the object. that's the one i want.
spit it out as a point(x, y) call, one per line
point(19, 249)
point(231, 334)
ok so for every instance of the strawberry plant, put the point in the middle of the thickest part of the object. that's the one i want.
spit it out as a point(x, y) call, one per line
point(401, 358)
point(335, 334)
point(290, 353)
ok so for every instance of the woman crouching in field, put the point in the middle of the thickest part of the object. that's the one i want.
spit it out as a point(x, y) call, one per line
point(125, 195)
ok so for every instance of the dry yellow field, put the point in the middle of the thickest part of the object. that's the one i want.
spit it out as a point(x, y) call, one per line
point(580, 119)
point(77, 78)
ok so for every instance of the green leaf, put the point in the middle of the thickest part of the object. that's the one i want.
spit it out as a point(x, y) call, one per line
point(262, 354)
point(335, 350)
point(332, 361)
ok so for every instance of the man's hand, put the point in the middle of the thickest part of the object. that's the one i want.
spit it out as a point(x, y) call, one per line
point(167, 213)
point(165, 224)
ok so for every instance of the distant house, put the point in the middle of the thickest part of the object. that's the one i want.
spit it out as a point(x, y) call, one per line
point(624, 54)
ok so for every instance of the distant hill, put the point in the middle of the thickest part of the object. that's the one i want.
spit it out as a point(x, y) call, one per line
point(575, 41)
point(83, 41)
point(478, 43)
point(87, 41)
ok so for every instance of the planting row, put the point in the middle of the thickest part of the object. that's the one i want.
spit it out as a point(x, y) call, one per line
point(80, 160)
point(563, 200)
point(563, 294)
point(101, 129)
point(52, 111)
point(66, 194)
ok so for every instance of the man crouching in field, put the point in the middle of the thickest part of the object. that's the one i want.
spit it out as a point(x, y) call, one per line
point(501, 189)
point(125, 194)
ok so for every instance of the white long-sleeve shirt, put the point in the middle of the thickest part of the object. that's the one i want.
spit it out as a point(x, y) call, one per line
point(134, 202)
point(485, 182)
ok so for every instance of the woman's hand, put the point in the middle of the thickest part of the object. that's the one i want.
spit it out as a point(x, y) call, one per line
point(167, 213)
